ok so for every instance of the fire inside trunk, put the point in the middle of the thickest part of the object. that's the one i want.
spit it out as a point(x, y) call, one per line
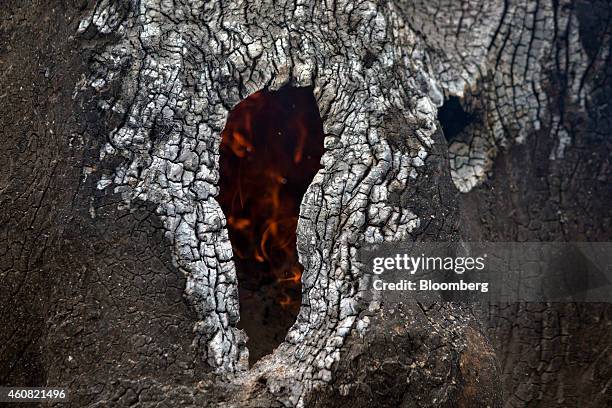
point(270, 151)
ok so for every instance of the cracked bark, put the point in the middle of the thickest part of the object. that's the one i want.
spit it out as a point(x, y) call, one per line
point(127, 156)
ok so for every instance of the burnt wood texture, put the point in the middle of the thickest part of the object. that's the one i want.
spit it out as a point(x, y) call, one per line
point(117, 277)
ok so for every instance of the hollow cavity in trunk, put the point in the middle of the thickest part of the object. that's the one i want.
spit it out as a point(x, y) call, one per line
point(270, 151)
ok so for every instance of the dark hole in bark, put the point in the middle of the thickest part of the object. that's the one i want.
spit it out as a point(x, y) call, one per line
point(270, 151)
point(453, 118)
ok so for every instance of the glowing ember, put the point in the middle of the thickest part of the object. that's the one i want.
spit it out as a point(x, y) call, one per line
point(270, 152)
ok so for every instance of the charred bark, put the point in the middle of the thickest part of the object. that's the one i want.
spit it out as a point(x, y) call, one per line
point(117, 270)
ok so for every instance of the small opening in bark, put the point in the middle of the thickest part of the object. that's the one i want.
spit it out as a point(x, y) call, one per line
point(453, 118)
point(270, 151)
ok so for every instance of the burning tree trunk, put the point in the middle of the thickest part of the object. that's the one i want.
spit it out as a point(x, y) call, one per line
point(152, 99)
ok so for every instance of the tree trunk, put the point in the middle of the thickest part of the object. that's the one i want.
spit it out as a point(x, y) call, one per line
point(117, 273)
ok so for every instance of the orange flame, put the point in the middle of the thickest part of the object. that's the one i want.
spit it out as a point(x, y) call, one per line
point(270, 151)
point(240, 145)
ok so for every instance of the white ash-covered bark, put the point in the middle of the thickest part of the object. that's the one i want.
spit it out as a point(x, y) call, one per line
point(498, 57)
point(183, 65)
point(378, 72)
